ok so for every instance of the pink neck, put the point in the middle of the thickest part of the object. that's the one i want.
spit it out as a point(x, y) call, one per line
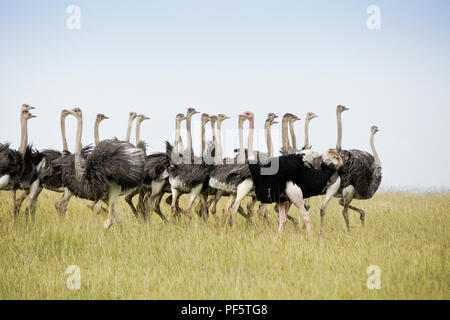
point(251, 155)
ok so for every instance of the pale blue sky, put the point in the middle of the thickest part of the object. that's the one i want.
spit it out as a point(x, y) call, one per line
point(160, 57)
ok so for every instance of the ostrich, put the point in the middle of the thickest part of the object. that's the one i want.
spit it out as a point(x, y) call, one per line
point(142, 191)
point(299, 176)
point(360, 175)
point(111, 168)
point(235, 167)
point(157, 175)
point(18, 167)
point(189, 177)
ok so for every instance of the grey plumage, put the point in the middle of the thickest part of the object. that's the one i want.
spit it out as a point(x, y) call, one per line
point(361, 172)
point(111, 160)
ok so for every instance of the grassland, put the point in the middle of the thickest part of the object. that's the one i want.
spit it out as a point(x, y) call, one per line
point(406, 235)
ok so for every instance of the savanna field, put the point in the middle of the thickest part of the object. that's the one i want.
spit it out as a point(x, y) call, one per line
point(406, 235)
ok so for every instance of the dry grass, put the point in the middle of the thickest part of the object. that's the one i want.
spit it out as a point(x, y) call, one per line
point(406, 235)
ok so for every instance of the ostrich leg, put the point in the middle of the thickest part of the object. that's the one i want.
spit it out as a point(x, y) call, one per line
point(331, 191)
point(129, 200)
point(295, 194)
point(18, 202)
point(361, 212)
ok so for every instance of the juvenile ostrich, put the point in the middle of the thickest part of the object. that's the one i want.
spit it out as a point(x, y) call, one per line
point(360, 175)
point(112, 168)
point(188, 177)
point(299, 176)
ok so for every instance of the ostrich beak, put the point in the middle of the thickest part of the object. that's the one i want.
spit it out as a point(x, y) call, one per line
point(106, 118)
point(274, 122)
point(32, 116)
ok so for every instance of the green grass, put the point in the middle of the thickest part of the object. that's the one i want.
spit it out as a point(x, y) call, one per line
point(406, 235)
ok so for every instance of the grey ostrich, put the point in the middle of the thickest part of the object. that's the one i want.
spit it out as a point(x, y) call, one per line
point(113, 167)
point(360, 175)
point(157, 175)
point(144, 189)
point(18, 167)
point(188, 177)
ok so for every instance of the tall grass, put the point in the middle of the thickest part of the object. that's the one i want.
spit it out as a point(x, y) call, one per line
point(406, 235)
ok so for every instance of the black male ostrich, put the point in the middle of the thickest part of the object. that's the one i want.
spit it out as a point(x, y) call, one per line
point(113, 167)
point(299, 176)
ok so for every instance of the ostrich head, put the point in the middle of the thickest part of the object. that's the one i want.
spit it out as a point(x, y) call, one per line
point(341, 108)
point(205, 118)
point(180, 117)
point(310, 116)
point(271, 116)
point(248, 115)
point(65, 113)
point(76, 112)
point(271, 119)
point(221, 117)
point(192, 111)
point(374, 129)
point(132, 115)
point(101, 117)
point(27, 115)
point(333, 158)
point(292, 117)
point(27, 107)
point(142, 117)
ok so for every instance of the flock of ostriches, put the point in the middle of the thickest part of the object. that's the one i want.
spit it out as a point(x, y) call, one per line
point(112, 168)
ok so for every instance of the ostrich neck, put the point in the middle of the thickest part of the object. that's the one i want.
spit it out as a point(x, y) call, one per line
point(96, 135)
point(218, 143)
point(284, 135)
point(241, 140)
point(374, 152)
point(269, 141)
point(130, 124)
point(306, 134)
point(63, 133)
point(177, 143)
point(251, 129)
point(294, 140)
point(78, 159)
point(203, 139)
point(138, 132)
point(189, 135)
point(213, 129)
point(24, 135)
point(78, 137)
point(339, 131)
